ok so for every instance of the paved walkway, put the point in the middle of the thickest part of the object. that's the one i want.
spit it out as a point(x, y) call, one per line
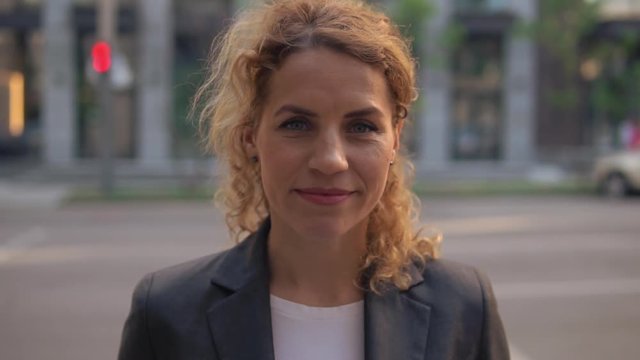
point(566, 271)
point(20, 195)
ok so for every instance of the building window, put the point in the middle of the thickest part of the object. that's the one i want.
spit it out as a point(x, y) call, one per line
point(19, 92)
point(197, 23)
point(481, 5)
point(476, 124)
point(619, 8)
point(88, 102)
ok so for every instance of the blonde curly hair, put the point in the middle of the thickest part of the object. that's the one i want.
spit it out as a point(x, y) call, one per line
point(233, 94)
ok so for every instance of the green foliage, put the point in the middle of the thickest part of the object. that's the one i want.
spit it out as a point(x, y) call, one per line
point(185, 141)
point(617, 88)
point(412, 16)
point(453, 36)
point(562, 26)
point(563, 30)
point(563, 98)
point(616, 95)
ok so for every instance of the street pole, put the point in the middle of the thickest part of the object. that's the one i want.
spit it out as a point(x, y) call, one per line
point(106, 32)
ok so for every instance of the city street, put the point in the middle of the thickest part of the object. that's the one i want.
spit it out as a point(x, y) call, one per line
point(566, 270)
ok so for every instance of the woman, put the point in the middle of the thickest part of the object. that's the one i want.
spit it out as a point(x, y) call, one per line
point(310, 101)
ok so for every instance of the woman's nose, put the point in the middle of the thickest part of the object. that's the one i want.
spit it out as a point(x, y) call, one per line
point(328, 155)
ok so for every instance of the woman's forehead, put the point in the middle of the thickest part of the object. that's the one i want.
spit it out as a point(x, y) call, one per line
point(325, 61)
point(321, 74)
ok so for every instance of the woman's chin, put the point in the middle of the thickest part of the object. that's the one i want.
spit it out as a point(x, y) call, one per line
point(315, 225)
point(325, 229)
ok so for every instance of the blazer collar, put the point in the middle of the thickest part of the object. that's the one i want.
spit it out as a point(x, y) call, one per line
point(244, 263)
point(240, 324)
point(396, 322)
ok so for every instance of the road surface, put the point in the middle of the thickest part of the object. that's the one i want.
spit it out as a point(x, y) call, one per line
point(566, 270)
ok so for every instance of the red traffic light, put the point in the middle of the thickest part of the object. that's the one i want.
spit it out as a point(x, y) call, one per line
point(101, 57)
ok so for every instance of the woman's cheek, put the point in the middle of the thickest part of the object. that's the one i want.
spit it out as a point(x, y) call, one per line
point(377, 152)
point(284, 150)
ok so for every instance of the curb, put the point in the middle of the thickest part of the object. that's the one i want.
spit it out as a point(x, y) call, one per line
point(31, 196)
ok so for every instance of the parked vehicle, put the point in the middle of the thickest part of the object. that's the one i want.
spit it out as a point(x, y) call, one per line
point(618, 174)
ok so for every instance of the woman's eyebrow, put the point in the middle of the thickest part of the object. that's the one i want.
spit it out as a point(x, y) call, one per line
point(372, 110)
point(296, 110)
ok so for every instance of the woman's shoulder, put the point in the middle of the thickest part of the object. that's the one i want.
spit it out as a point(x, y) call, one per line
point(225, 268)
point(192, 269)
point(449, 279)
point(169, 304)
point(451, 270)
point(188, 277)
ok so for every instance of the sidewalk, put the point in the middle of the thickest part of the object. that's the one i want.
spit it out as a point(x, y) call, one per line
point(20, 195)
point(25, 185)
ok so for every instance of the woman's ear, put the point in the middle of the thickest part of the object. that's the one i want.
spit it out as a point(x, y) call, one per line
point(249, 142)
point(397, 135)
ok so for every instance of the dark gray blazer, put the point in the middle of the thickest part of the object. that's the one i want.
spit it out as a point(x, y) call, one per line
point(217, 307)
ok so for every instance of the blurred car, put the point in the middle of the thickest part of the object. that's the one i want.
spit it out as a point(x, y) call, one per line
point(618, 174)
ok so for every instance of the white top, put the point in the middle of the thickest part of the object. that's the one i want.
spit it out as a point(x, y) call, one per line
point(302, 332)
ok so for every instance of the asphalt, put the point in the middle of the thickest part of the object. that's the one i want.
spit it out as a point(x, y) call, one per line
point(25, 195)
point(565, 270)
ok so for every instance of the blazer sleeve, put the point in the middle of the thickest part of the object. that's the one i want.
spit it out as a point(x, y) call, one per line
point(494, 344)
point(136, 340)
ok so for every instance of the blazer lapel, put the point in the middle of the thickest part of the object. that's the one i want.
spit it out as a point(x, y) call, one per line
point(240, 324)
point(396, 324)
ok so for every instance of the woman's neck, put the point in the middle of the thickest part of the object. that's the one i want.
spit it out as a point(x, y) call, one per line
point(315, 272)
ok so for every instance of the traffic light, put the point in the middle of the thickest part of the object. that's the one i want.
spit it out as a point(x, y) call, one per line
point(101, 57)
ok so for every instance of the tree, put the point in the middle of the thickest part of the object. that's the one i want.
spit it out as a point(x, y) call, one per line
point(567, 31)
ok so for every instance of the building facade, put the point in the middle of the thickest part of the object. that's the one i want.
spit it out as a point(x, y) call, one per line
point(480, 112)
point(160, 45)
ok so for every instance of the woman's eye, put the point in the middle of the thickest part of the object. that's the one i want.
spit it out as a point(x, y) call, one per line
point(296, 125)
point(362, 128)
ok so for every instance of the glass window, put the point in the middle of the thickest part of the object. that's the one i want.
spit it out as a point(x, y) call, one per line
point(481, 5)
point(123, 99)
point(20, 69)
point(476, 126)
point(619, 8)
point(197, 23)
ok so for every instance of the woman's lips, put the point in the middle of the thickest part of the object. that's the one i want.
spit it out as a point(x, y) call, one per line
point(324, 196)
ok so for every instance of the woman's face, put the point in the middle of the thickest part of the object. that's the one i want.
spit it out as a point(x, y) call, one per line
point(325, 141)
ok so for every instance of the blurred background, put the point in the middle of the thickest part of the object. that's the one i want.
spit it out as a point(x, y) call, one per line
point(527, 109)
point(509, 88)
